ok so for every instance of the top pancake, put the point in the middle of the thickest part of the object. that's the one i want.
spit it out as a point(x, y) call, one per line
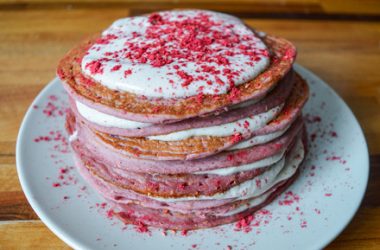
point(136, 107)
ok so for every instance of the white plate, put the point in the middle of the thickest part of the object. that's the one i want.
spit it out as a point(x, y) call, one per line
point(326, 195)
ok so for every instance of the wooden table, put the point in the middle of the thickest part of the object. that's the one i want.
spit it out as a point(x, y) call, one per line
point(339, 42)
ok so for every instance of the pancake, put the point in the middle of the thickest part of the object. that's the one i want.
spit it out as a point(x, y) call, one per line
point(101, 122)
point(135, 107)
point(202, 146)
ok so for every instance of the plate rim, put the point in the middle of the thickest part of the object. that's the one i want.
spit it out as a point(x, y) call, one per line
point(298, 68)
point(61, 234)
point(77, 244)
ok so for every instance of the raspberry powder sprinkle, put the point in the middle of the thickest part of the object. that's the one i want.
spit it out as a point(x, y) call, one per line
point(176, 54)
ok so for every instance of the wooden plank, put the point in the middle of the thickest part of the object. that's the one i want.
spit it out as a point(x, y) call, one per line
point(373, 244)
point(13, 203)
point(351, 6)
point(372, 198)
point(28, 235)
point(362, 233)
point(290, 8)
point(8, 179)
point(14, 206)
point(365, 225)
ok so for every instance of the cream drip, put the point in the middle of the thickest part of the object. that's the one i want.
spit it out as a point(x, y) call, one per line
point(240, 126)
point(228, 129)
point(267, 162)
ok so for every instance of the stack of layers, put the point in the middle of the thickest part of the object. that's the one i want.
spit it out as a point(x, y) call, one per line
point(185, 119)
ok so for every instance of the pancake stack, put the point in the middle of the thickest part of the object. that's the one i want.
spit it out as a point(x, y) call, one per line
point(185, 119)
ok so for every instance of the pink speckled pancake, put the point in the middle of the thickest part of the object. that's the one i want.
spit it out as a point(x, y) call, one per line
point(133, 107)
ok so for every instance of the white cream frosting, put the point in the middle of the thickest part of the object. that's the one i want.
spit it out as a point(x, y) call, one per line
point(280, 171)
point(252, 203)
point(258, 139)
point(246, 167)
point(163, 81)
point(73, 136)
point(107, 120)
point(252, 123)
point(255, 122)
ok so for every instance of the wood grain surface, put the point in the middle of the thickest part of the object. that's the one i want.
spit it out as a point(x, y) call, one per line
point(338, 40)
